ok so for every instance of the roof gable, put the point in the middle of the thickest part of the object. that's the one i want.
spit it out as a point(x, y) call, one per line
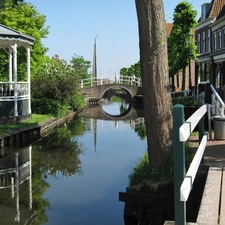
point(216, 7)
point(7, 33)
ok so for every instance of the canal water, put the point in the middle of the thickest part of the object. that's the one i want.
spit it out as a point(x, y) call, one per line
point(74, 174)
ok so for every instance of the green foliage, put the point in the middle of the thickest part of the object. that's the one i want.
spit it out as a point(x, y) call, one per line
point(77, 102)
point(186, 101)
point(36, 119)
point(134, 69)
point(80, 66)
point(140, 129)
point(55, 80)
point(66, 151)
point(143, 172)
point(160, 174)
point(49, 107)
point(25, 18)
point(180, 46)
point(12, 2)
point(55, 88)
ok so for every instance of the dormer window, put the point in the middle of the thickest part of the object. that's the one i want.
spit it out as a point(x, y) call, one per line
point(203, 15)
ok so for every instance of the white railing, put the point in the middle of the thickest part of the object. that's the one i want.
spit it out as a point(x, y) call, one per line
point(114, 79)
point(7, 90)
point(218, 105)
point(184, 133)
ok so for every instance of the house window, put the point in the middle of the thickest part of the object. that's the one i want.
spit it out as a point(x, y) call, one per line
point(203, 16)
point(207, 41)
point(198, 44)
point(219, 36)
point(214, 42)
point(223, 38)
point(203, 43)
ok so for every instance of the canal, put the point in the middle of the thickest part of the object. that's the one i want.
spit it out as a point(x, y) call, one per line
point(73, 174)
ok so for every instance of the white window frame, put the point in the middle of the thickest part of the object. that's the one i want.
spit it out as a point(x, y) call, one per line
point(223, 37)
point(214, 41)
point(203, 13)
point(219, 38)
point(198, 44)
point(203, 42)
point(208, 49)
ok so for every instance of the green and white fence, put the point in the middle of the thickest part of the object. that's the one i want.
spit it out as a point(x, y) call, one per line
point(183, 182)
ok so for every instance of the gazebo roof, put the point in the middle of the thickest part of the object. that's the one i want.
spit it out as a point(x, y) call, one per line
point(8, 34)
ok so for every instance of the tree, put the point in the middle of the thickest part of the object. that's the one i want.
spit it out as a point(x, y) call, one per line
point(179, 50)
point(13, 2)
point(25, 18)
point(133, 69)
point(155, 80)
point(80, 66)
point(55, 89)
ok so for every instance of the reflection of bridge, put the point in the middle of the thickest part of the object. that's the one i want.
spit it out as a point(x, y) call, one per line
point(98, 113)
point(96, 87)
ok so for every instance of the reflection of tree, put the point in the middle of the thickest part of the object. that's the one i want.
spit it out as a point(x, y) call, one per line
point(123, 107)
point(140, 129)
point(115, 99)
point(79, 125)
point(58, 152)
point(39, 188)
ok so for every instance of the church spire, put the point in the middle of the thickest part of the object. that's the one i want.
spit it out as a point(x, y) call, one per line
point(94, 67)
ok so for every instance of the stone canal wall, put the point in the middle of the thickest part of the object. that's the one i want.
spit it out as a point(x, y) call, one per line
point(21, 136)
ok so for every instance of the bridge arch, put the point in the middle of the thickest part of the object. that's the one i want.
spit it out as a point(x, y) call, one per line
point(99, 91)
point(96, 87)
point(119, 86)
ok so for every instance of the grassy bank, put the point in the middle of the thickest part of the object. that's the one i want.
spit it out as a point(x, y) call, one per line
point(143, 172)
point(35, 120)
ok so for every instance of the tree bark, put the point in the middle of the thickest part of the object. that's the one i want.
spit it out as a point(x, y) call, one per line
point(155, 80)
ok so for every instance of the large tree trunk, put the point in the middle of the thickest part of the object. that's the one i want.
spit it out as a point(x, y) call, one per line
point(155, 80)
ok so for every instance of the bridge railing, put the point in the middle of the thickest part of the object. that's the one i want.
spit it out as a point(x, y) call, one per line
point(218, 105)
point(95, 81)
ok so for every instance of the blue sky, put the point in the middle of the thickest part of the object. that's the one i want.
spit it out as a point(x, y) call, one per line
point(74, 25)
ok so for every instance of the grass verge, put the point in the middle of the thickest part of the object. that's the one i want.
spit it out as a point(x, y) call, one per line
point(142, 172)
point(35, 120)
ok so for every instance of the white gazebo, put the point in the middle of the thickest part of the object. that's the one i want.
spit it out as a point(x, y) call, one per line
point(15, 100)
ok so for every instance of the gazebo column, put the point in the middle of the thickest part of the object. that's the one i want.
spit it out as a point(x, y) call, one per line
point(28, 78)
point(15, 78)
point(10, 69)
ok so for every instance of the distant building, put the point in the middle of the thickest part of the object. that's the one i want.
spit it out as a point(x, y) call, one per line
point(210, 41)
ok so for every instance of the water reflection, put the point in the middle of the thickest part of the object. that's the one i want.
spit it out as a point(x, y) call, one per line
point(77, 171)
point(16, 188)
point(116, 106)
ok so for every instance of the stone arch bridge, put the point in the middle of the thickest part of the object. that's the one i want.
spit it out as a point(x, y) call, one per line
point(98, 87)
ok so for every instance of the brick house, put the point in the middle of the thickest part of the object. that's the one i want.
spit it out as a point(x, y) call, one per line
point(210, 41)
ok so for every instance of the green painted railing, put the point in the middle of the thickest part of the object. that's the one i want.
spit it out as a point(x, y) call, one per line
point(181, 131)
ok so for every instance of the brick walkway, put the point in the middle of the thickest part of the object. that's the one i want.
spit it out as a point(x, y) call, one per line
point(214, 152)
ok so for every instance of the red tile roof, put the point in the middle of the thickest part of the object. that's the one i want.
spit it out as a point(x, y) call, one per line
point(217, 6)
point(168, 28)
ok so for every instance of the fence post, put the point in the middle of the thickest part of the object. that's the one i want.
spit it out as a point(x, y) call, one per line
point(201, 123)
point(201, 128)
point(179, 165)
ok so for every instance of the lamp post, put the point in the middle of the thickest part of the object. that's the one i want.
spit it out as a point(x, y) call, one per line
point(188, 37)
